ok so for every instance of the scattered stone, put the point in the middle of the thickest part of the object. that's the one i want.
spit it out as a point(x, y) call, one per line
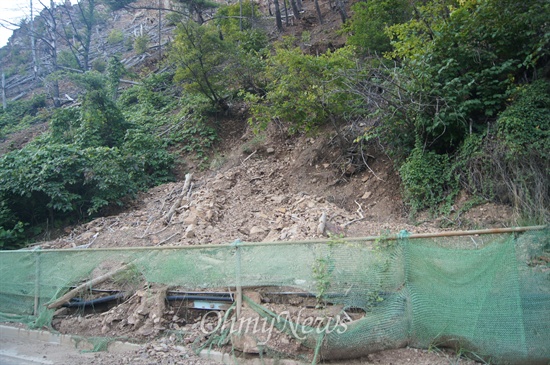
point(190, 231)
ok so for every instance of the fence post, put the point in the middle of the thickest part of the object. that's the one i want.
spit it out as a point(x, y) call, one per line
point(238, 284)
point(37, 282)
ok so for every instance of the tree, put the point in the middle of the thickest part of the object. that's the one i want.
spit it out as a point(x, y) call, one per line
point(202, 60)
point(305, 91)
point(464, 61)
point(78, 34)
point(49, 39)
point(367, 26)
point(278, 18)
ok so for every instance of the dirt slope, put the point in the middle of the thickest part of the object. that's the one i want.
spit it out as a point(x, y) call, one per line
point(257, 189)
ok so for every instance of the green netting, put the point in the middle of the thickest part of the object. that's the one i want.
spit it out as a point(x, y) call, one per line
point(484, 294)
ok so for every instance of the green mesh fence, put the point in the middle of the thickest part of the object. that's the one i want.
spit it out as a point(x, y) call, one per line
point(485, 294)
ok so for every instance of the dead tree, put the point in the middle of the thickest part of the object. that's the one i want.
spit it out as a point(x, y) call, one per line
point(278, 19)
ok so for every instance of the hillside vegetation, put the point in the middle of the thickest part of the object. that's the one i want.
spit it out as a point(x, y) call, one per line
point(457, 93)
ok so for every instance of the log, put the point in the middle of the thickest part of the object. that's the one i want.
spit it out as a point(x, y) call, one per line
point(177, 203)
point(72, 293)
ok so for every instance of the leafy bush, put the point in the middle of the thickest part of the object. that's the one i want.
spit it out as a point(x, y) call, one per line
point(229, 16)
point(67, 59)
point(510, 165)
point(21, 113)
point(524, 127)
point(428, 180)
point(56, 181)
point(304, 90)
point(11, 231)
point(99, 65)
point(91, 158)
point(367, 26)
point(141, 44)
point(462, 62)
point(115, 36)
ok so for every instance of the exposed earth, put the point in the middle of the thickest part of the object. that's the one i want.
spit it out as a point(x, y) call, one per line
point(256, 188)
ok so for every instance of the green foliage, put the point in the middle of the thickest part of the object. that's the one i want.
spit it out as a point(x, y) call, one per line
point(115, 70)
point(56, 181)
point(524, 127)
point(141, 44)
point(64, 125)
point(228, 16)
point(463, 60)
point(146, 158)
point(21, 113)
point(115, 36)
point(428, 180)
point(91, 158)
point(101, 122)
point(201, 58)
point(99, 65)
point(303, 90)
point(11, 231)
point(366, 28)
point(67, 59)
point(322, 269)
point(173, 19)
point(153, 106)
point(510, 164)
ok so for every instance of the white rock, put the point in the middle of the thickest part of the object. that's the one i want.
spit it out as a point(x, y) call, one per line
point(190, 231)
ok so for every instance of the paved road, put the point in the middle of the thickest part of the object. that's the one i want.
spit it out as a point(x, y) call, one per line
point(20, 347)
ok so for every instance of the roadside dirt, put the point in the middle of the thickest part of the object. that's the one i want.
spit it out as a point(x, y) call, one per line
point(258, 189)
point(270, 188)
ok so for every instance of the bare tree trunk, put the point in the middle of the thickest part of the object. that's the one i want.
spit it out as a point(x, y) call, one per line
point(52, 23)
point(295, 9)
point(33, 44)
point(4, 105)
point(318, 9)
point(160, 31)
point(241, 15)
point(342, 9)
point(278, 15)
point(286, 12)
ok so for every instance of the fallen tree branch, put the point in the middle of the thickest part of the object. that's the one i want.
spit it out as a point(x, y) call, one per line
point(361, 216)
point(72, 293)
point(252, 154)
point(168, 239)
point(183, 195)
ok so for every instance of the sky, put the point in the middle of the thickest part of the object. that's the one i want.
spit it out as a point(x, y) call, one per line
point(15, 10)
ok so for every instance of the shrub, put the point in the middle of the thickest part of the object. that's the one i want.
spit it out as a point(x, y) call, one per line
point(141, 44)
point(115, 36)
point(510, 165)
point(99, 65)
point(428, 180)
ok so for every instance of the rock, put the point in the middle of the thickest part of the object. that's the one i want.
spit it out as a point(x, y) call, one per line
point(270, 150)
point(191, 219)
point(190, 231)
point(86, 235)
point(278, 199)
point(256, 230)
point(366, 195)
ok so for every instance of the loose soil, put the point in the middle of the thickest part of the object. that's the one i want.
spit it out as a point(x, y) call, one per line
point(268, 188)
point(255, 188)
